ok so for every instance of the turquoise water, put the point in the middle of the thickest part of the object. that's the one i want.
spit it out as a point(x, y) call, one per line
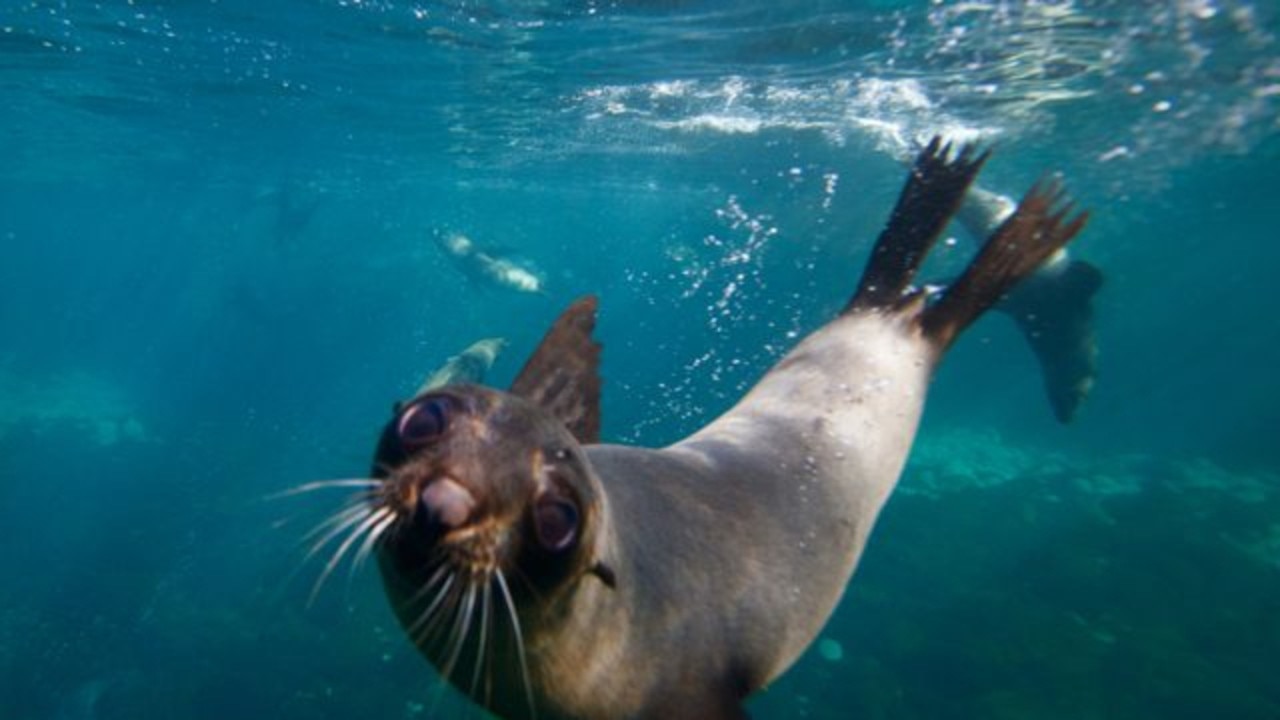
point(219, 266)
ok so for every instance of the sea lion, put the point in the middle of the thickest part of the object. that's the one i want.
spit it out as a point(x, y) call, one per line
point(547, 575)
point(488, 265)
point(1053, 307)
point(468, 366)
point(294, 204)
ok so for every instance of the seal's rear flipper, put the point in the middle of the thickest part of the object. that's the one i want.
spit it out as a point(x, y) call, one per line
point(1054, 309)
point(932, 194)
point(1036, 230)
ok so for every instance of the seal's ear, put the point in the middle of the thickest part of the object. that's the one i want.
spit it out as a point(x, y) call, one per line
point(562, 376)
point(606, 575)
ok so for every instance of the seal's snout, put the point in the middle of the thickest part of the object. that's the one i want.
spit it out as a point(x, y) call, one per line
point(447, 503)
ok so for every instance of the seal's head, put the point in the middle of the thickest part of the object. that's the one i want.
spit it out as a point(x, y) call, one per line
point(487, 517)
point(481, 482)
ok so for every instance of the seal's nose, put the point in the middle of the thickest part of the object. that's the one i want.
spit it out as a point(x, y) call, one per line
point(448, 503)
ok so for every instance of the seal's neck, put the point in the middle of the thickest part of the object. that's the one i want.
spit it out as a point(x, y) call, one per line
point(577, 635)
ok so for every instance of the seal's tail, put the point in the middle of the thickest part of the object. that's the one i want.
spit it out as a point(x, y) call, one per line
point(1038, 228)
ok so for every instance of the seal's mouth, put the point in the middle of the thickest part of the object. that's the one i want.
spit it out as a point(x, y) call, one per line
point(438, 519)
point(445, 528)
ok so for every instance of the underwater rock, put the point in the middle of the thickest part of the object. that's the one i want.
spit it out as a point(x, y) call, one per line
point(83, 400)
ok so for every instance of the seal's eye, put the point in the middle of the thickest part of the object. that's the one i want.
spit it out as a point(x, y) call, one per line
point(555, 519)
point(423, 421)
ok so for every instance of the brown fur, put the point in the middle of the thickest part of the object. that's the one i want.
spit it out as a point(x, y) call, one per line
point(697, 573)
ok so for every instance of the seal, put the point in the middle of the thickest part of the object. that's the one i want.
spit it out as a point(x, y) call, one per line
point(468, 366)
point(1053, 308)
point(485, 264)
point(547, 575)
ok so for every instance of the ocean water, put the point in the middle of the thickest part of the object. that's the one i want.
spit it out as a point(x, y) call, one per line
point(219, 266)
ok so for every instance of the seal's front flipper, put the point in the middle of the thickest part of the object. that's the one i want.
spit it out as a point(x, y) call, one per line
point(1036, 230)
point(1054, 309)
point(562, 376)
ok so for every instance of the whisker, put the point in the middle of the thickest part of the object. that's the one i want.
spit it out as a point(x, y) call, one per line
point(335, 523)
point(485, 612)
point(322, 484)
point(346, 525)
point(370, 540)
point(353, 504)
point(441, 569)
point(515, 627)
point(464, 625)
point(425, 622)
point(373, 518)
point(488, 670)
point(529, 586)
point(447, 639)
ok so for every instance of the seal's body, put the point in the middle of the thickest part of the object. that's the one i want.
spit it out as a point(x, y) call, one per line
point(550, 576)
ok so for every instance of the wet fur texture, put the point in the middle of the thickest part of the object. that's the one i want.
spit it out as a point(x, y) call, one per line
point(699, 572)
